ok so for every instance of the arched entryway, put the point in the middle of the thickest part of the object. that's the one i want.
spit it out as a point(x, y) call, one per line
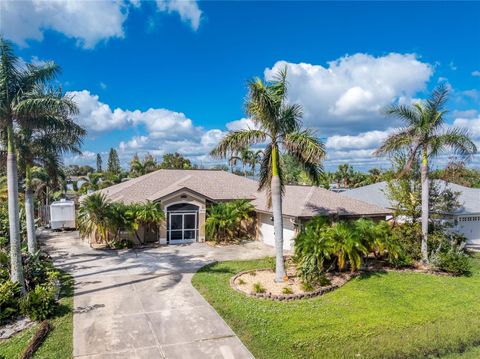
point(182, 223)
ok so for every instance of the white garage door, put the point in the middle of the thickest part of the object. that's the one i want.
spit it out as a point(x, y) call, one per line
point(266, 233)
point(469, 226)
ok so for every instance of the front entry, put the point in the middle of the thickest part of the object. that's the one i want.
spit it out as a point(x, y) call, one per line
point(182, 223)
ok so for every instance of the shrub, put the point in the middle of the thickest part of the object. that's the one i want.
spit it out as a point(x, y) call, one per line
point(122, 244)
point(449, 255)
point(409, 237)
point(229, 221)
point(9, 297)
point(39, 304)
point(258, 288)
point(321, 246)
point(287, 290)
point(313, 250)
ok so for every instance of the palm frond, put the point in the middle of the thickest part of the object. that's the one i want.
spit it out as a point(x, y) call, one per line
point(397, 141)
point(408, 114)
point(235, 141)
point(454, 139)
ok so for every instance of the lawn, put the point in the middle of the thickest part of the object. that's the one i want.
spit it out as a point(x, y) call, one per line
point(391, 315)
point(59, 342)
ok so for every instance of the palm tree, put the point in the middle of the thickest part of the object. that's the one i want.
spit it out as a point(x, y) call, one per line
point(243, 155)
point(424, 135)
point(19, 104)
point(228, 220)
point(277, 123)
point(53, 136)
point(94, 216)
point(145, 214)
point(255, 158)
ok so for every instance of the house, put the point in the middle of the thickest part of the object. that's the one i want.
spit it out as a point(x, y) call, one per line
point(465, 220)
point(185, 196)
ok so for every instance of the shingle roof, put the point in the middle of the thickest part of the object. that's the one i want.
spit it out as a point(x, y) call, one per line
point(469, 198)
point(309, 201)
point(216, 185)
point(299, 201)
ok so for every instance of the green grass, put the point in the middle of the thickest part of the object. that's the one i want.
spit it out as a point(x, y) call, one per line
point(59, 342)
point(391, 315)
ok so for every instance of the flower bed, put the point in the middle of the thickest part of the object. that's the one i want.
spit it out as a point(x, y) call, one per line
point(261, 283)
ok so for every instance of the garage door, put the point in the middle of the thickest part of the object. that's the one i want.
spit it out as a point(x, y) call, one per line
point(469, 226)
point(267, 234)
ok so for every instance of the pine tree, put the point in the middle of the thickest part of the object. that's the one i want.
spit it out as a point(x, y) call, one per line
point(113, 165)
point(99, 163)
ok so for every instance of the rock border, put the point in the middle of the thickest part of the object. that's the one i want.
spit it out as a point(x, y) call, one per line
point(287, 297)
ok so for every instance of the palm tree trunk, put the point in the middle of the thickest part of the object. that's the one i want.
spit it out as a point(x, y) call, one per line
point(425, 206)
point(13, 212)
point(277, 219)
point(29, 212)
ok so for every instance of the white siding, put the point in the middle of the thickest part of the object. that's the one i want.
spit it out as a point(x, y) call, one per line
point(469, 226)
point(266, 232)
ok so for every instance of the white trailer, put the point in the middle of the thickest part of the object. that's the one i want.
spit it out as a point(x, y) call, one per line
point(62, 214)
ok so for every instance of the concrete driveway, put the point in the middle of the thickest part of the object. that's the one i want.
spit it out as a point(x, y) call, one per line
point(141, 304)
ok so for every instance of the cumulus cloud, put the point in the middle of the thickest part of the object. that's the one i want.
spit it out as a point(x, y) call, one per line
point(86, 158)
point(242, 124)
point(471, 124)
point(88, 22)
point(348, 95)
point(162, 130)
point(188, 10)
point(476, 73)
point(365, 140)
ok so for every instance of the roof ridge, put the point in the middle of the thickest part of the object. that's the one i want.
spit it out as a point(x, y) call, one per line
point(176, 183)
point(307, 198)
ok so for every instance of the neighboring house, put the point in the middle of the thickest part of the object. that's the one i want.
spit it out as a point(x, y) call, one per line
point(465, 220)
point(185, 196)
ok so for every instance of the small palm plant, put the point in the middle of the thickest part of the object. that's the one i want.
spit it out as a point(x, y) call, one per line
point(145, 214)
point(425, 135)
point(349, 247)
point(94, 217)
point(278, 127)
point(228, 221)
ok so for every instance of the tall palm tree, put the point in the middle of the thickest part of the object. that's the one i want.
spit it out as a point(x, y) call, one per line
point(54, 136)
point(277, 123)
point(425, 135)
point(255, 158)
point(243, 155)
point(19, 104)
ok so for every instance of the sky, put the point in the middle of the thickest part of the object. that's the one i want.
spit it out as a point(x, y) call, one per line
point(165, 76)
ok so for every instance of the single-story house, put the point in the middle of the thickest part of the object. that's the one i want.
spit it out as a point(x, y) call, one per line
point(465, 220)
point(185, 196)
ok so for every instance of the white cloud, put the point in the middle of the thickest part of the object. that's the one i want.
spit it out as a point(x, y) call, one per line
point(471, 124)
point(242, 124)
point(476, 73)
point(348, 95)
point(88, 22)
point(188, 10)
point(365, 140)
point(96, 116)
point(86, 158)
point(103, 85)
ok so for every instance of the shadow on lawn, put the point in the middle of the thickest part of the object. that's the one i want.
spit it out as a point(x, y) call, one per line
point(372, 274)
point(212, 268)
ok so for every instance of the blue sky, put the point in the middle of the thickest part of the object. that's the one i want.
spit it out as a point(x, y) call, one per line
point(170, 75)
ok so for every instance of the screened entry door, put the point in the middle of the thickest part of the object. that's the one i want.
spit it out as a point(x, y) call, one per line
point(182, 227)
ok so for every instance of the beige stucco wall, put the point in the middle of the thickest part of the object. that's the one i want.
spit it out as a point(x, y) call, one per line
point(184, 197)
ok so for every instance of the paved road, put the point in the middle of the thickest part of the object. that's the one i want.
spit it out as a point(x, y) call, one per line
point(141, 304)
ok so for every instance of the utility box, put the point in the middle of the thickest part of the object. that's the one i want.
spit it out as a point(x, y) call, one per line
point(62, 214)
